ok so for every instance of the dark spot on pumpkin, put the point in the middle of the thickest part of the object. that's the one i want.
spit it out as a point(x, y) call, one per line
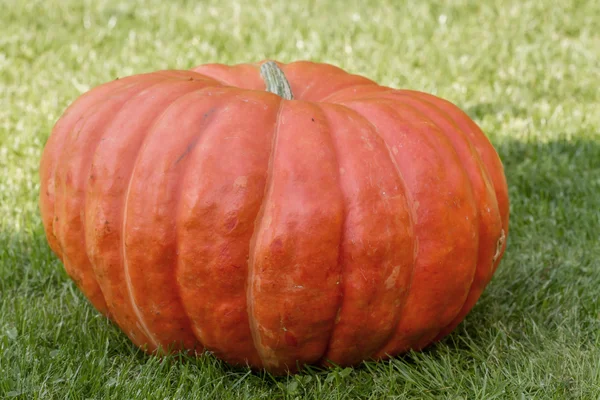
point(276, 245)
point(231, 224)
point(188, 148)
point(209, 112)
point(193, 143)
point(312, 119)
point(191, 78)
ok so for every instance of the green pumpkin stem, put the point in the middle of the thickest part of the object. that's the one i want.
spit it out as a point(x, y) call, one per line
point(275, 80)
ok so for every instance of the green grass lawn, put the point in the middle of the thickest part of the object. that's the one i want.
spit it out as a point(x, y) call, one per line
point(527, 71)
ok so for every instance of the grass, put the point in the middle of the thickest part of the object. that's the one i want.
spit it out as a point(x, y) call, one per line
point(527, 71)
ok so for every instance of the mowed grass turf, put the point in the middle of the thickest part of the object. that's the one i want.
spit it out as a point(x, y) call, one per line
point(527, 71)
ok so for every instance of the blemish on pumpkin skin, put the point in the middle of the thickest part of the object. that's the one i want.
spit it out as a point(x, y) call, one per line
point(186, 152)
point(338, 316)
point(209, 112)
point(499, 245)
point(367, 143)
point(276, 245)
point(193, 143)
point(390, 282)
point(240, 182)
point(231, 224)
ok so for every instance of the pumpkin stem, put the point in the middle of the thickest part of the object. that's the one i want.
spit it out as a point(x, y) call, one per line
point(275, 80)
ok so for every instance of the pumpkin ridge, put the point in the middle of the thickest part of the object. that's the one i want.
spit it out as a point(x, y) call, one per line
point(117, 287)
point(470, 183)
point(414, 329)
point(84, 196)
point(492, 164)
point(295, 252)
point(151, 336)
point(362, 339)
point(469, 138)
point(489, 156)
point(322, 360)
point(486, 200)
point(142, 324)
point(215, 224)
point(412, 217)
point(258, 221)
point(54, 150)
point(82, 270)
point(179, 189)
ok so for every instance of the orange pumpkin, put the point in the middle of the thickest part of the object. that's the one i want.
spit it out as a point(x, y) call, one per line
point(333, 220)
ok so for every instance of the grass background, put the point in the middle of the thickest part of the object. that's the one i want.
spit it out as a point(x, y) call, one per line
point(527, 71)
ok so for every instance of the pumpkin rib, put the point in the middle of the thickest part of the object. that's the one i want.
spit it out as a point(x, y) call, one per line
point(157, 169)
point(470, 178)
point(489, 156)
point(428, 340)
point(411, 139)
point(323, 360)
point(258, 223)
point(296, 247)
point(223, 193)
point(54, 149)
point(377, 246)
point(413, 218)
point(492, 163)
point(72, 172)
point(341, 295)
point(379, 353)
point(489, 214)
point(105, 200)
point(142, 324)
point(198, 137)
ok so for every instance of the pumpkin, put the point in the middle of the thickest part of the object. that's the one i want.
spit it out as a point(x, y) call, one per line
point(274, 214)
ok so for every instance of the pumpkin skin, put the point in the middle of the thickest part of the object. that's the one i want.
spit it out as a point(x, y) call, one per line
point(198, 211)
